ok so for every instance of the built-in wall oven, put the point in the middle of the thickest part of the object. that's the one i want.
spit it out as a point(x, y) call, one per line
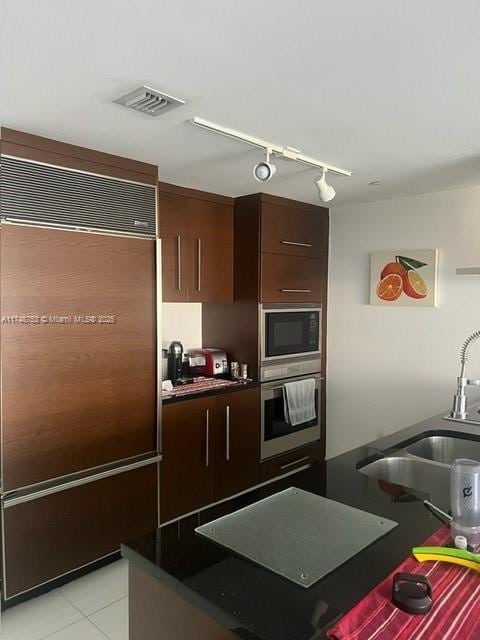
point(290, 350)
point(278, 435)
point(291, 331)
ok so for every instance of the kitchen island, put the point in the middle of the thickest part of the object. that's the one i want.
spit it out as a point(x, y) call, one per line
point(184, 586)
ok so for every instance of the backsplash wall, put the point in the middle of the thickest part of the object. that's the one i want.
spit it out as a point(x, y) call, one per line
point(182, 321)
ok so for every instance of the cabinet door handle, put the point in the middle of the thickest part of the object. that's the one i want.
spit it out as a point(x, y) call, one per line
point(291, 464)
point(207, 437)
point(227, 433)
point(296, 244)
point(296, 290)
point(199, 264)
point(179, 263)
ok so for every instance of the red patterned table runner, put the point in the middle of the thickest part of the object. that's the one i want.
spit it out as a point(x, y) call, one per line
point(196, 387)
point(455, 614)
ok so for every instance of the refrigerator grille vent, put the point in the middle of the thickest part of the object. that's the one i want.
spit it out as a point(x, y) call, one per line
point(46, 195)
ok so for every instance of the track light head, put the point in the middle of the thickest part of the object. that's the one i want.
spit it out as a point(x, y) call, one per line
point(325, 191)
point(265, 170)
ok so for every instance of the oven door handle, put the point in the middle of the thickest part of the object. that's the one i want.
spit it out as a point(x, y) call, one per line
point(279, 387)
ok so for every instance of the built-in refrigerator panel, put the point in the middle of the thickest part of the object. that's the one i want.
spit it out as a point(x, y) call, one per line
point(78, 352)
point(50, 533)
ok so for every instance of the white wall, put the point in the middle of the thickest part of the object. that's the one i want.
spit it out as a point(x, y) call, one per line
point(391, 367)
point(182, 321)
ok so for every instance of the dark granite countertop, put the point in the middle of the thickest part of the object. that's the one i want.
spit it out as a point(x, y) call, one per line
point(166, 399)
point(258, 604)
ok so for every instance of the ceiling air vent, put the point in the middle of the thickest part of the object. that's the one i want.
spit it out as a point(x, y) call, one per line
point(149, 101)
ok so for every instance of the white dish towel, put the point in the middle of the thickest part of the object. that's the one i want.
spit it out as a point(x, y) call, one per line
point(299, 401)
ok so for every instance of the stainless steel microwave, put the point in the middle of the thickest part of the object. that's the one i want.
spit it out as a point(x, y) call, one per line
point(290, 331)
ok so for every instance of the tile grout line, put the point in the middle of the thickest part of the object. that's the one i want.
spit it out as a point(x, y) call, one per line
point(84, 617)
point(97, 627)
point(71, 625)
point(57, 630)
point(66, 625)
point(107, 605)
point(70, 603)
point(104, 633)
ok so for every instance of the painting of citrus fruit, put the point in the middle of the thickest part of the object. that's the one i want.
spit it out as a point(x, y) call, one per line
point(404, 277)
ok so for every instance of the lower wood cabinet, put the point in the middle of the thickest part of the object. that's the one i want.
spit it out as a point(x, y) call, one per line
point(210, 448)
point(47, 537)
point(186, 469)
point(279, 465)
point(236, 442)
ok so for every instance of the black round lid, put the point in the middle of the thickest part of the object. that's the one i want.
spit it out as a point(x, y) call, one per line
point(412, 593)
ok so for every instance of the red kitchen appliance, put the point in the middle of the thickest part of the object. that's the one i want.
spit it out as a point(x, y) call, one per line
point(208, 362)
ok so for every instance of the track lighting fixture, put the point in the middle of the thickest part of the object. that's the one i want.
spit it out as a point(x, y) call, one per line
point(263, 171)
point(325, 191)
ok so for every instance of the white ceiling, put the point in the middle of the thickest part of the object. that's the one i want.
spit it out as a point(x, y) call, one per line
point(387, 89)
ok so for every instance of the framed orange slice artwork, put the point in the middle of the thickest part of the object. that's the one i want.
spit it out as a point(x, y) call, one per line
point(404, 277)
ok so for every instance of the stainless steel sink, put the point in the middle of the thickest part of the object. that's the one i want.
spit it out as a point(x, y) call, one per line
point(413, 473)
point(423, 466)
point(445, 449)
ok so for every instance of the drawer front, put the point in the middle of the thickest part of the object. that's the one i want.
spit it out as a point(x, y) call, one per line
point(295, 232)
point(292, 279)
point(50, 536)
point(290, 461)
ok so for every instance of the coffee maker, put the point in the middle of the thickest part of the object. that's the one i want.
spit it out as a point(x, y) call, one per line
point(175, 359)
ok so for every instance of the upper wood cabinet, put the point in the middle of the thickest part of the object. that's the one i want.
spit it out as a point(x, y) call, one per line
point(197, 233)
point(293, 230)
point(281, 250)
point(289, 279)
point(175, 250)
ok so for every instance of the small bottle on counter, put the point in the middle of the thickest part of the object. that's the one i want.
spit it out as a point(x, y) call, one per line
point(244, 371)
point(461, 543)
point(234, 370)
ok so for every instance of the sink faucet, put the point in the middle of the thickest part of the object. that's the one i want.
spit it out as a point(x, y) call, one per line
point(459, 409)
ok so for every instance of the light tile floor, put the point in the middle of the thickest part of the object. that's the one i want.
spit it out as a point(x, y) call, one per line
point(93, 607)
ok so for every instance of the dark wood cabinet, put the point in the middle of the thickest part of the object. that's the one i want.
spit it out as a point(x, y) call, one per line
point(293, 230)
point(172, 228)
point(186, 470)
point(52, 535)
point(197, 239)
point(210, 449)
point(287, 278)
point(211, 236)
point(292, 460)
point(293, 251)
point(268, 270)
point(237, 442)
